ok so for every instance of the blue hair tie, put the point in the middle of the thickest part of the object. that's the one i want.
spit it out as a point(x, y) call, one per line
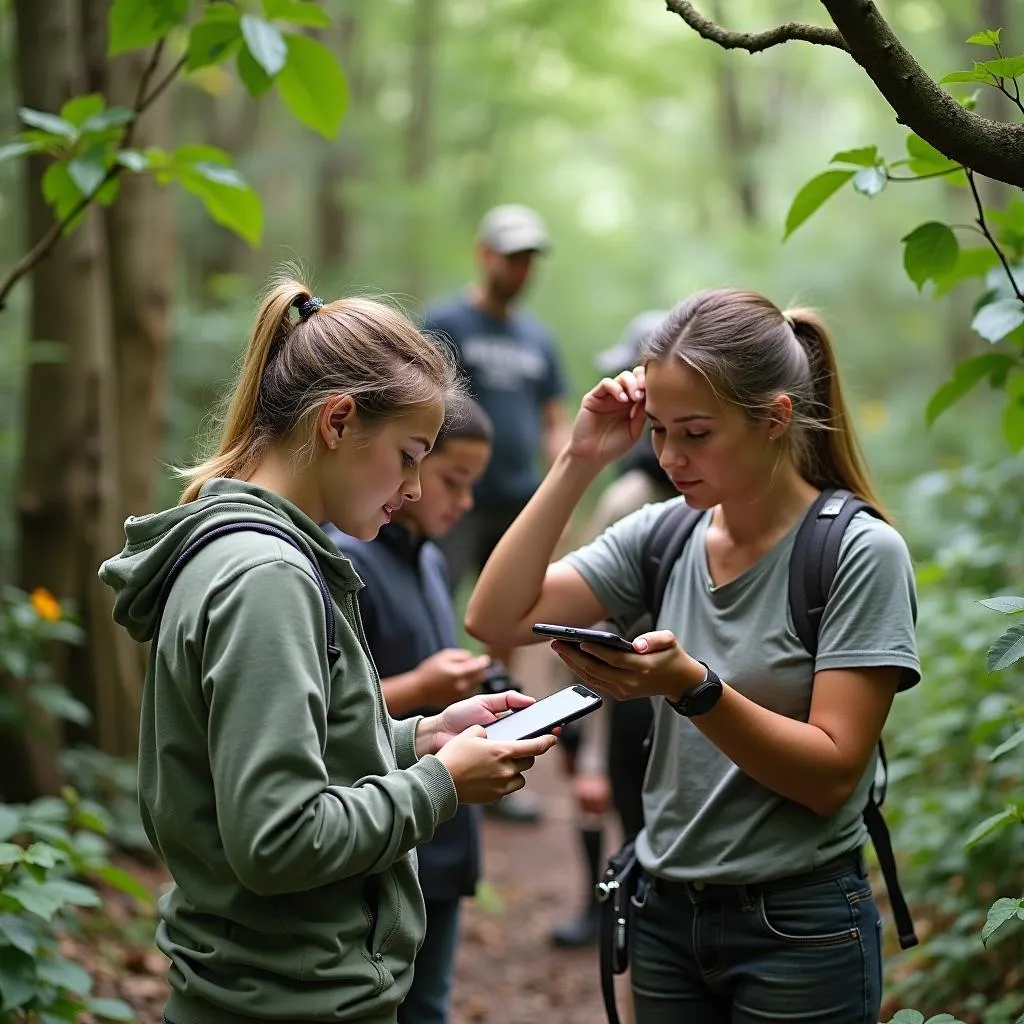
point(307, 307)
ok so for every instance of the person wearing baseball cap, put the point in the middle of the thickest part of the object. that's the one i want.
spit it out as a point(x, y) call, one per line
point(515, 374)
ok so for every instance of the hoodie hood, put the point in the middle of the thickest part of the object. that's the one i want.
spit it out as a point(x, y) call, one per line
point(154, 542)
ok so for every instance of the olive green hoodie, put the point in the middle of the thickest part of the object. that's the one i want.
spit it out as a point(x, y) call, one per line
point(283, 799)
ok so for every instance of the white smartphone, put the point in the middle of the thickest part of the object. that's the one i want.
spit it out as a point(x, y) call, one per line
point(545, 715)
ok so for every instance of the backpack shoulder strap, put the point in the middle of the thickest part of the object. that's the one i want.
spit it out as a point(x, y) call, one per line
point(815, 559)
point(197, 544)
point(662, 548)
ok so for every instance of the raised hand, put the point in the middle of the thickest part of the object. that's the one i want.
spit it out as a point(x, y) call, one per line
point(611, 418)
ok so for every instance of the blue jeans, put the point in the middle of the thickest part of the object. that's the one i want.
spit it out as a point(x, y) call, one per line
point(427, 1001)
point(719, 954)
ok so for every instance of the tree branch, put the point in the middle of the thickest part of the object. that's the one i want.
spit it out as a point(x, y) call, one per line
point(143, 101)
point(754, 42)
point(992, 148)
point(983, 225)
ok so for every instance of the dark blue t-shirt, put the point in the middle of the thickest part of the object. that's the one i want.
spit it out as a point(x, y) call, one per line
point(513, 371)
point(407, 615)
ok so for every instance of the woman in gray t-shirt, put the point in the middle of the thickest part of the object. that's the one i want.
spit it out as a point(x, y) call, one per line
point(757, 902)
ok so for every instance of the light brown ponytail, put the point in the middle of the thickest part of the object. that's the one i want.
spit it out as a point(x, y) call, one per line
point(291, 367)
point(833, 457)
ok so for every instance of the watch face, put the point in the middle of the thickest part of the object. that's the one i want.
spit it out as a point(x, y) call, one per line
point(703, 699)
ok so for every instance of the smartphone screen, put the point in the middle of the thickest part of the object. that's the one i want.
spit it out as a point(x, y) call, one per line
point(575, 635)
point(545, 714)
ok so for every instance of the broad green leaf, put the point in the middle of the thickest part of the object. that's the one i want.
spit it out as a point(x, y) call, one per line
point(65, 975)
point(17, 979)
point(18, 933)
point(219, 174)
point(866, 156)
point(10, 821)
point(206, 172)
point(58, 701)
point(265, 43)
point(991, 825)
point(133, 159)
point(943, 1018)
point(968, 373)
point(211, 41)
point(125, 882)
point(926, 159)
point(254, 78)
point(1007, 605)
point(996, 320)
point(79, 109)
point(989, 37)
point(1005, 67)
point(49, 123)
point(999, 913)
point(88, 170)
point(1013, 423)
point(965, 76)
point(112, 117)
point(60, 191)
point(973, 262)
point(297, 12)
point(63, 1010)
point(930, 251)
point(1016, 740)
point(110, 1009)
point(15, 149)
point(314, 88)
point(908, 1017)
point(44, 855)
point(870, 181)
point(11, 853)
point(1007, 649)
point(813, 195)
point(132, 24)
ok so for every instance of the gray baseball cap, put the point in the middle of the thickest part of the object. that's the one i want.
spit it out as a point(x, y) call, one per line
point(625, 353)
point(513, 228)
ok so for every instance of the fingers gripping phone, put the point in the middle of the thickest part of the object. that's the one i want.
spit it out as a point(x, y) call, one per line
point(545, 715)
point(572, 635)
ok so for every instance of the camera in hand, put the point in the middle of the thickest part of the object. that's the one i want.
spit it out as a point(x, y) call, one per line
point(497, 679)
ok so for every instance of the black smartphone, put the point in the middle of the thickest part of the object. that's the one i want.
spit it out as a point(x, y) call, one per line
point(572, 635)
point(546, 714)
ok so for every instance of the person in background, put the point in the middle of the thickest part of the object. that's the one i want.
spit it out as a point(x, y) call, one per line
point(410, 627)
point(515, 373)
point(606, 754)
point(281, 796)
point(755, 902)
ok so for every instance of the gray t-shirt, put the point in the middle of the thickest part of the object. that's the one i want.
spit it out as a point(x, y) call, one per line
point(706, 820)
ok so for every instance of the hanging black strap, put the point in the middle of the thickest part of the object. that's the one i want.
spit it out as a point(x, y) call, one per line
point(661, 551)
point(200, 542)
point(882, 842)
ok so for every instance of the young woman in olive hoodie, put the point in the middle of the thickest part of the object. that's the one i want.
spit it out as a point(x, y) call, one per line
point(283, 799)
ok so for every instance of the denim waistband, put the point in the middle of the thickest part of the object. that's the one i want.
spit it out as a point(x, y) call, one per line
point(849, 863)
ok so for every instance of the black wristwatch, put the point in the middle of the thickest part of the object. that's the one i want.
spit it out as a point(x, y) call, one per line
point(701, 699)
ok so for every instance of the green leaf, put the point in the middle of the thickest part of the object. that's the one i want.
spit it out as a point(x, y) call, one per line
point(870, 181)
point(313, 85)
point(1005, 67)
point(17, 978)
point(1006, 604)
point(866, 156)
point(965, 76)
point(926, 159)
point(126, 883)
point(254, 78)
point(133, 159)
point(88, 170)
point(991, 825)
point(1016, 740)
point(1013, 423)
point(44, 855)
point(1007, 649)
point(10, 821)
point(908, 1017)
point(18, 933)
point(966, 375)
point(989, 37)
point(60, 191)
point(11, 853)
point(15, 149)
point(132, 24)
point(206, 172)
point(79, 109)
point(973, 262)
point(112, 117)
point(930, 251)
point(297, 12)
point(995, 320)
point(49, 123)
point(999, 913)
point(58, 701)
point(265, 43)
point(944, 1018)
point(64, 974)
point(813, 195)
point(211, 41)
point(110, 1009)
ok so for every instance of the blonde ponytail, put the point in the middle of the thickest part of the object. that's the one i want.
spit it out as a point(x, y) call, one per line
point(290, 368)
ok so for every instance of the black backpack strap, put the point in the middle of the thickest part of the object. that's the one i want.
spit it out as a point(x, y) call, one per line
point(661, 550)
point(812, 571)
point(196, 545)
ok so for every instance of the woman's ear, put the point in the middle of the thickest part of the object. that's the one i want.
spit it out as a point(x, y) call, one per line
point(336, 417)
point(780, 416)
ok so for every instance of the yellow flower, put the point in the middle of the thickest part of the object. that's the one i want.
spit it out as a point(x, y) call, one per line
point(46, 605)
